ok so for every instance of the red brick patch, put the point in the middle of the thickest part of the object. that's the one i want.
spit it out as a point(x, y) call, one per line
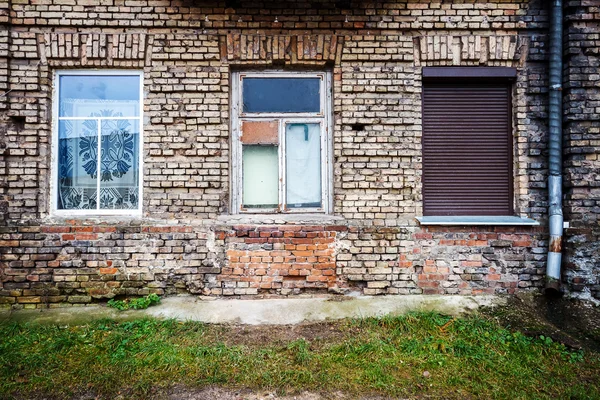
point(303, 259)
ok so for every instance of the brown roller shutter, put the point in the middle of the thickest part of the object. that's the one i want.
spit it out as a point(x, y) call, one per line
point(467, 149)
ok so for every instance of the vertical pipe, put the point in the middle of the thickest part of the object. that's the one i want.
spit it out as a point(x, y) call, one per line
point(555, 144)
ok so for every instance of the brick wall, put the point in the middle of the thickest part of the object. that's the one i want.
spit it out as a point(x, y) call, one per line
point(281, 259)
point(186, 240)
point(75, 263)
point(445, 260)
point(582, 147)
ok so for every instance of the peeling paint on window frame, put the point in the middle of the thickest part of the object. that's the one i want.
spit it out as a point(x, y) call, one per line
point(323, 117)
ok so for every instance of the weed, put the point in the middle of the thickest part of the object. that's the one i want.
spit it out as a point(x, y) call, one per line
point(138, 303)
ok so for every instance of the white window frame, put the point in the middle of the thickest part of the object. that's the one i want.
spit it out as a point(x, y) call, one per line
point(55, 138)
point(323, 117)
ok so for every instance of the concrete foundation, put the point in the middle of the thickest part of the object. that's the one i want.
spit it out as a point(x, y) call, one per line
point(265, 312)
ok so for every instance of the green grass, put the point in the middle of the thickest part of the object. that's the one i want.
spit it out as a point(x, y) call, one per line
point(466, 358)
point(138, 303)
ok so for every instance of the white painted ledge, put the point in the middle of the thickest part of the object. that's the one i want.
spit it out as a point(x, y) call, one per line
point(315, 219)
point(477, 220)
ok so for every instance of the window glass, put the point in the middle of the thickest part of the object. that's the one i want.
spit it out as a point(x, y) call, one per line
point(281, 95)
point(98, 142)
point(87, 95)
point(303, 165)
point(260, 176)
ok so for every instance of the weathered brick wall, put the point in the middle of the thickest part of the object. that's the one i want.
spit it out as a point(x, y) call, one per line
point(75, 263)
point(448, 260)
point(582, 147)
point(4, 121)
point(186, 242)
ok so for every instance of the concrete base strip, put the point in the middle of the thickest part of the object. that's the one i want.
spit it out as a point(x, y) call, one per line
point(267, 311)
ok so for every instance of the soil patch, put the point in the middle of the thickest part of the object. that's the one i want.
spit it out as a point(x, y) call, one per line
point(574, 323)
point(259, 336)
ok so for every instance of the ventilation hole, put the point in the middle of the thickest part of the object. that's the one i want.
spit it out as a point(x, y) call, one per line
point(358, 127)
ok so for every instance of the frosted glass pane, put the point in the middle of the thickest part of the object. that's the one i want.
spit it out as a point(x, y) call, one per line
point(99, 95)
point(77, 165)
point(303, 165)
point(119, 164)
point(281, 95)
point(260, 176)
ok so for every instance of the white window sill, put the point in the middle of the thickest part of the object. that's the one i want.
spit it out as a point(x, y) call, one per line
point(279, 219)
point(91, 219)
point(125, 214)
point(477, 220)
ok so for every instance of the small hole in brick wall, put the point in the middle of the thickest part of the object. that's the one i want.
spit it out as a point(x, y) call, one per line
point(232, 3)
point(360, 285)
point(18, 122)
point(358, 127)
point(343, 4)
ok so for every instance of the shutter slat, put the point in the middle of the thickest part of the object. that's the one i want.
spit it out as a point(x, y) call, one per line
point(467, 149)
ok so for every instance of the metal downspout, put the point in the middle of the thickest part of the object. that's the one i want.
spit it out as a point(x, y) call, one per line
point(555, 157)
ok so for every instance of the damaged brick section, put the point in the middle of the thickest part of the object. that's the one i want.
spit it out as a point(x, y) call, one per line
point(278, 259)
point(71, 263)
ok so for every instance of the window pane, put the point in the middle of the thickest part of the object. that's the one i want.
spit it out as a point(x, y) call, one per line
point(281, 95)
point(98, 95)
point(119, 172)
point(303, 165)
point(260, 176)
point(77, 164)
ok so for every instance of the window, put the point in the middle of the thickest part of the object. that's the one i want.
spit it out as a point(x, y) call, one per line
point(97, 143)
point(467, 142)
point(281, 143)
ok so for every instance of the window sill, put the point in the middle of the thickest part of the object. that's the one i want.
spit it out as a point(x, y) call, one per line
point(477, 220)
point(117, 217)
point(91, 219)
point(277, 219)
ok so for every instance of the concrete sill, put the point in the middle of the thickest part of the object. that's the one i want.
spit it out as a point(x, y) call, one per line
point(477, 220)
point(280, 219)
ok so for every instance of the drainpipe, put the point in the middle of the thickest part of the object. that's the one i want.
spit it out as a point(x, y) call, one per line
point(555, 157)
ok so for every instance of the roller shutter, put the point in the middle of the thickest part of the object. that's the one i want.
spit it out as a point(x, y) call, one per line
point(467, 149)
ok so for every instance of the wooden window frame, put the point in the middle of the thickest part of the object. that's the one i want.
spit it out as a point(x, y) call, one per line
point(323, 117)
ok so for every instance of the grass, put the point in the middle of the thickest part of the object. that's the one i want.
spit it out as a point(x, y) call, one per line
point(138, 303)
point(465, 358)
